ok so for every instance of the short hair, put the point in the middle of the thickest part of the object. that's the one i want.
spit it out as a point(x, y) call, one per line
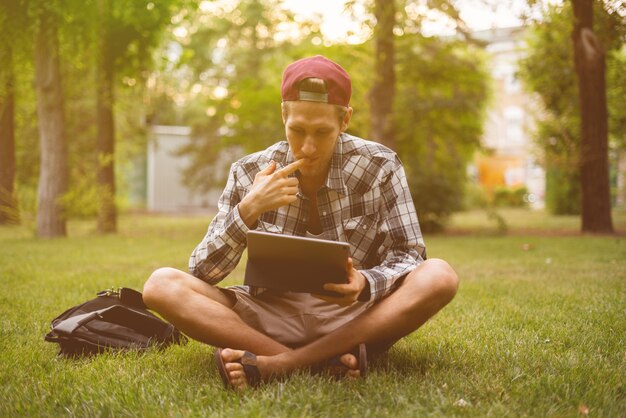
point(316, 85)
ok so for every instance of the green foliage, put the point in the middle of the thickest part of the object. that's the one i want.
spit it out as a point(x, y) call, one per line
point(136, 29)
point(441, 98)
point(230, 96)
point(474, 196)
point(435, 193)
point(510, 196)
point(548, 70)
point(563, 191)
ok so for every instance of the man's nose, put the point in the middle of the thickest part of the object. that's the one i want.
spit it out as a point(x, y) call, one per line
point(308, 147)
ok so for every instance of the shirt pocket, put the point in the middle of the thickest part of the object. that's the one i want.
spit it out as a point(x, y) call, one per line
point(268, 227)
point(360, 233)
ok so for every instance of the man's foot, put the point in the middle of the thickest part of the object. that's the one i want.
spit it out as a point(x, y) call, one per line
point(240, 369)
point(352, 365)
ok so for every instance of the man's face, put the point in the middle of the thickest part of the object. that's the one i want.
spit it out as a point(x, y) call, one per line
point(312, 130)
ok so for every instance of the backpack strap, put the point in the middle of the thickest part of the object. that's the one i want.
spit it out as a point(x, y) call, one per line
point(121, 315)
point(132, 297)
point(126, 295)
point(69, 325)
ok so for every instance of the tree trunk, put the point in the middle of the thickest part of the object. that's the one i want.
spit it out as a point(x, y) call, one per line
point(383, 91)
point(50, 110)
point(8, 204)
point(107, 214)
point(589, 57)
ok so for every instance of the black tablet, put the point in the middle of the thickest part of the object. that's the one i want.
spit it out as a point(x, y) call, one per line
point(296, 264)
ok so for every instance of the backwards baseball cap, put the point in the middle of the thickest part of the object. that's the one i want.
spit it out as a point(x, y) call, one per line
point(337, 80)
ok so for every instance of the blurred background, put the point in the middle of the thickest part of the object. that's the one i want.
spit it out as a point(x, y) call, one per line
point(110, 106)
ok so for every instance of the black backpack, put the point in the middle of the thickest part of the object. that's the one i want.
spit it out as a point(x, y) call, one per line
point(115, 320)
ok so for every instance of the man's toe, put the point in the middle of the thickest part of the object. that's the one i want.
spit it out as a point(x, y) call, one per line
point(350, 361)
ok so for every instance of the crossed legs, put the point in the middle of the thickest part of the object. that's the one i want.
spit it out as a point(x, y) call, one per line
point(203, 312)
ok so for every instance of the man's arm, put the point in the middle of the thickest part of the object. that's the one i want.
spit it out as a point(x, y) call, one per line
point(403, 247)
point(220, 250)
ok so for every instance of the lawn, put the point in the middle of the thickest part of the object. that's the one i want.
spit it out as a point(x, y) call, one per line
point(537, 329)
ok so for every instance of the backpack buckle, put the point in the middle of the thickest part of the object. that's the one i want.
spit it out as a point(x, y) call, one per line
point(112, 291)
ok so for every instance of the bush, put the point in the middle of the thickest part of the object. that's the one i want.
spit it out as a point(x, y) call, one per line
point(436, 197)
point(475, 196)
point(510, 196)
point(562, 191)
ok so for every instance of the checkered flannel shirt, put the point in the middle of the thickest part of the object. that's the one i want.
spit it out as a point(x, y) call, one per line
point(365, 202)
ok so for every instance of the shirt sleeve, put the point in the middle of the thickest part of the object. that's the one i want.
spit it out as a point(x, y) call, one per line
point(402, 248)
point(221, 248)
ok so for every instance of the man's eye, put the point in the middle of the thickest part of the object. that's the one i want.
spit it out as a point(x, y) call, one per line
point(323, 132)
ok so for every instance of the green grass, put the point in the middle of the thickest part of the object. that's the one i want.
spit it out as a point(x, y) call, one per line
point(523, 221)
point(537, 329)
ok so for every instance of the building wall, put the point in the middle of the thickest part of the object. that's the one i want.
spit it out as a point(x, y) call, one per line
point(166, 191)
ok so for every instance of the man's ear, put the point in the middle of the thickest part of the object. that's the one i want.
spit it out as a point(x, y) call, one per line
point(346, 119)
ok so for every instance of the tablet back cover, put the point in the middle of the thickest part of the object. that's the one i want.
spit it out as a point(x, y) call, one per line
point(297, 264)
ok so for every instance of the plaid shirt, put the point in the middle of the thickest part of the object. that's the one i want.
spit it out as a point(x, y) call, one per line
point(365, 202)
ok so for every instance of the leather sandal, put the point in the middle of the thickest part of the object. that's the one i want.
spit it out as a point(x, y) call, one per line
point(248, 361)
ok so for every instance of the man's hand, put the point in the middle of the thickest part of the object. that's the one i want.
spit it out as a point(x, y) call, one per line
point(271, 189)
point(349, 291)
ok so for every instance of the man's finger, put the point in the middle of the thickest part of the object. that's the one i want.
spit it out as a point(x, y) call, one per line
point(269, 169)
point(293, 167)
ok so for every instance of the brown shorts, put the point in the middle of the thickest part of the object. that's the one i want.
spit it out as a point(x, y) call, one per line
point(292, 319)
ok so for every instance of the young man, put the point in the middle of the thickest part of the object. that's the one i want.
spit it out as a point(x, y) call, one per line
point(325, 183)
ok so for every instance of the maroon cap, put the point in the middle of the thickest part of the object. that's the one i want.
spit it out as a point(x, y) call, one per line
point(338, 85)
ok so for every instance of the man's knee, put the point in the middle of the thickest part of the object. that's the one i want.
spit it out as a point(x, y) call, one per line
point(162, 282)
point(440, 278)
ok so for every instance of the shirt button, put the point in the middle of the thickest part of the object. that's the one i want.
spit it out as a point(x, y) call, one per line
point(324, 213)
point(364, 226)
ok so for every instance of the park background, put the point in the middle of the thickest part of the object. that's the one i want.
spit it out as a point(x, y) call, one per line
point(118, 123)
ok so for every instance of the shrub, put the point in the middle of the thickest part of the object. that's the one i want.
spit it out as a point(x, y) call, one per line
point(510, 196)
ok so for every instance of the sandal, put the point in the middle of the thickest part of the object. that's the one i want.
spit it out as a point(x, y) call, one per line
point(248, 361)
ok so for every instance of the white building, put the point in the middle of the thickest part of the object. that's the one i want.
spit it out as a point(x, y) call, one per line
point(513, 157)
point(165, 189)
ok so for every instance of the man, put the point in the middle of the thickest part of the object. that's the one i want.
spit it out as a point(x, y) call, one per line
point(320, 182)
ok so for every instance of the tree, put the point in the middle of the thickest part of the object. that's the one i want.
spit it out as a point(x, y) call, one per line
point(126, 32)
point(590, 63)
point(12, 19)
point(382, 93)
point(50, 109)
point(549, 71)
point(8, 204)
point(105, 76)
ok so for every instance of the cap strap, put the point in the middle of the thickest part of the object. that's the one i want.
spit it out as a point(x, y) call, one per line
point(309, 96)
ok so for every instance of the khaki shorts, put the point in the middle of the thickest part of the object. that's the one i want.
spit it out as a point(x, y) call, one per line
point(292, 319)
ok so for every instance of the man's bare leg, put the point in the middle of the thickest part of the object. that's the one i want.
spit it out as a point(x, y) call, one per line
point(422, 294)
point(203, 312)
